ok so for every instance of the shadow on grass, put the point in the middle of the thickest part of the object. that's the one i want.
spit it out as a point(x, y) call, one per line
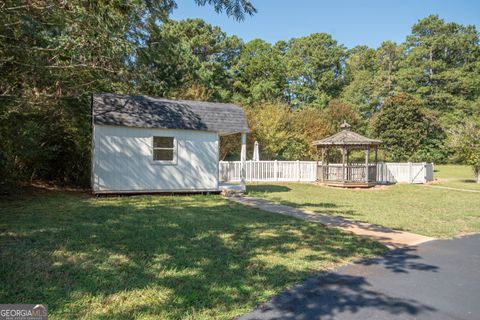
point(327, 208)
point(468, 180)
point(171, 257)
point(322, 207)
point(327, 213)
point(267, 188)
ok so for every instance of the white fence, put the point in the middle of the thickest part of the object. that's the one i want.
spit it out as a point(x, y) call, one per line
point(269, 170)
point(388, 172)
point(306, 171)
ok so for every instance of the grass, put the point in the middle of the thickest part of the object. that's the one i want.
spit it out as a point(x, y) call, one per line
point(153, 257)
point(416, 208)
point(456, 176)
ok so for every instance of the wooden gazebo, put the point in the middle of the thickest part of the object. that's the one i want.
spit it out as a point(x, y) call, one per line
point(346, 173)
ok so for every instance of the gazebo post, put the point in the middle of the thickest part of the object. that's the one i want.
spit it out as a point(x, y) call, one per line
point(367, 154)
point(344, 151)
point(348, 169)
point(326, 168)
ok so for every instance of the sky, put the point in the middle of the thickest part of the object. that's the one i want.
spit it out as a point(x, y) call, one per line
point(350, 22)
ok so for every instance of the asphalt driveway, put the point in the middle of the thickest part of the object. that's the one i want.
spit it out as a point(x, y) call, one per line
point(435, 280)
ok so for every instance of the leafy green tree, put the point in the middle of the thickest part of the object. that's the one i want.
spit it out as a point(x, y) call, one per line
point(360, 72)
point(388, 59)
point(464, 140)
point(371, 75)
point(405, 128)
point(180, 55)
point(441, 65)
point(233, 8)
point(53, 54)
point(260, 74)
point(336, 113)
point(414, 95)
point(315, 73)
point(270, 124)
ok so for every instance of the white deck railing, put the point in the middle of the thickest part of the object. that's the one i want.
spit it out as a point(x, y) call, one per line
point(269, 171)
point(306, 171)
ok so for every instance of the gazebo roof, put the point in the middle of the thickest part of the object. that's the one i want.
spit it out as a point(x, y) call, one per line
point(346, 137)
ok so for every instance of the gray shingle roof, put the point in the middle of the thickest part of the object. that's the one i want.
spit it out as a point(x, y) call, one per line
point(346, 138)
point(149, 112)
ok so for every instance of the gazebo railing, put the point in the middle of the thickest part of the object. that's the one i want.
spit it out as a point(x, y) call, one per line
point(351, 172)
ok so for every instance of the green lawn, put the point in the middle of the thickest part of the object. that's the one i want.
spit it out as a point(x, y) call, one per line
point(154, 257)
point(456, 176)
point(416, 208)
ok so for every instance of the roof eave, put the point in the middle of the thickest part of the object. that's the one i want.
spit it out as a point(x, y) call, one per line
point(226, 133)
point(339, 144)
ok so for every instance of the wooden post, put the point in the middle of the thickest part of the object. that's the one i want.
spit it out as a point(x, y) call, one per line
point(367, 154)
point(348, 171)
point(243, 159)
point(343, 164)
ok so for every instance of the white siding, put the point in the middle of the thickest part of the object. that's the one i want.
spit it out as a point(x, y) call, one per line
point(122, 160)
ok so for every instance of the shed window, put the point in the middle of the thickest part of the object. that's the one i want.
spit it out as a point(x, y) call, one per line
point(164, 149)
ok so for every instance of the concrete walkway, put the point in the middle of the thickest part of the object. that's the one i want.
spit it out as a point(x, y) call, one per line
point(390, 238)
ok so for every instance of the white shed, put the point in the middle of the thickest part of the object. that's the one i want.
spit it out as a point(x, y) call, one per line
point(143, 144)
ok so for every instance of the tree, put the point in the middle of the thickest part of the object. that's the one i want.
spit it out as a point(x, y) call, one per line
point(360, 68)
point(53, 54)
point(336, 113)
point(464, 139)
point(309, 124)
point(259, 73)
point(315, 73)
point(233, 8)
point(441, 64)
point(405, 128)
point(388, 59)
point(270, 124)
point(180, 55)
point(372, 77)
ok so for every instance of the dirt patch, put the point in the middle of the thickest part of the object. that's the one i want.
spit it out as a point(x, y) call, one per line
point(41, 188)
point(378, 187)
point(438, 181)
